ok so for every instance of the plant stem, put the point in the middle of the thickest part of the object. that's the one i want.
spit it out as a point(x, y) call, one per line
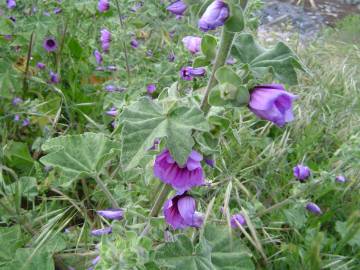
point(159, 202)
point(108, 194)
point(124, 44)
point(221, 56)
point(25, 82)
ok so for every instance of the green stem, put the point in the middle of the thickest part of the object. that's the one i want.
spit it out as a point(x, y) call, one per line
point(159, 202)
point(25, 80)
point(221, 56)
point(108, 194)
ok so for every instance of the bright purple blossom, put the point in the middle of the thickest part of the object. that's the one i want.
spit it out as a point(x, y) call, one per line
point(16, 101)
point(111, 213)
point(50, 44)
point(54, 78)
point(103, 5)
point(40, 65)
point(11, 4)
point(16, 118)
point(313, 208)
point(215, 15)
point(98, 232)
point(181, 178)
point(112, 112)
point(98, 57)
point(237, 218)
point(151, 88)
point(271, 102)
point(105, 39)
point(192, 43)
point(210, 162)
point(340, 179)
point(180, 212)
point(134, 43)
point(188, 73)
point(177, 7)
point(301, 172)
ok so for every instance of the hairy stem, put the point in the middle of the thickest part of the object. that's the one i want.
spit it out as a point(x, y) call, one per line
point(159, 202)
point(108, 194)
point(222, 53)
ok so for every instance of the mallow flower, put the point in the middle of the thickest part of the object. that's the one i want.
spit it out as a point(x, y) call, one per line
point(98, 57)
point(134, 43)
point(313, 208)
point(103, 5)
point(181, 178)
point(16, 101)
point(54, 77)
point(50, 44)
point(111, 213)
point(98, 232)
point(180, 212)
point(214, 16)
point(301, 172)
point(177, 7)
point(340, 179)
point(40, 65)
point(151, 88)
point(11, 4)
point(105, 39)
point(192, 43)
point(112, 112)
point(271, 102)
point(237, 218)
point(188, 73)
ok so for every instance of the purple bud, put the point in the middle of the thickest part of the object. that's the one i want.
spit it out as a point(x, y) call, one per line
point(151, 88)
point(210, 162)
point(105, 39)
point(134, 43)
point(149, 53)
point(313, 208)
point(25, 122)
point(16, 101)
point(340, 179)
point(192, 43)
point(40, 65)
point(301, 172)
point(136, 6)
point(112, 112)
point(113, 214)
point(100, 68)
point(96, 260)
point(171, 57)
point(103, 5)
point(172, 34)
point(156, 143)
point(188, 73)
point(98, 232)
point(231, 60)
point(177, 7)
point(98, 57)
point(16, 118)
point(57, 10)
point(237, 218)
point(111, 68)
point(271, 102)
point(11, 4)
point(215, 15)
point(13, 19)
point(8, 37)
point(54, 77)
point(50, 44)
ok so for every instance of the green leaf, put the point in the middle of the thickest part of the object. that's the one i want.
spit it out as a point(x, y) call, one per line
point(75, 48)
point(9, 79)
point(280, 60)
point(30, 259)
point(215, 250)
point(78, 155)
point(235, 23)
point(145, 120)
point(11, 240)
point(18, 156)
point(208, 46)
point(27, 187)
point(201, 61)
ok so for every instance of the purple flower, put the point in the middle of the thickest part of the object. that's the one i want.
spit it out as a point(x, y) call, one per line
point(54, 77)
point(8, 37)
point(313, 208)
point(96, 260)
point(113, 88)
point(340, 179)
point(271, 102)
point(98, 232)
point(230, 61)
point(188, 73)
point(103, 5)
point(210, 162)
point(177, 7)
point(192, 43)
point(11, 4)
point(98, 57)
point(215, 15)
point(57, 10)
point(16, 118)
point(112, 112)
point(100, 68)
point(136, 6)
point(25, 122)
point(301, 172)
point(40, 65)
point(180, 212)
point(134, 43)
point(105, 39)
point(237, 218)
point(50, 44)
point(113, 214)
point(181, 178)
point(16, 101)
point(149, 53)
point(151, 88)
point(111, 68)
point(156, 143)
point(171, 57)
